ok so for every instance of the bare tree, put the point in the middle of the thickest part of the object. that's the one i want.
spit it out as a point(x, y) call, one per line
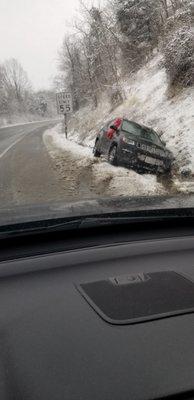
point(113, 40)
point(101, 44)
point(15, 80)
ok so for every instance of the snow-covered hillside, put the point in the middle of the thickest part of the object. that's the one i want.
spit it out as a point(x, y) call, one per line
point(148, 102)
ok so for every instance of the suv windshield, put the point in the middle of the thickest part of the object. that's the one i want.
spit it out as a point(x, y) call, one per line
point(66, 68)
point(142, 132)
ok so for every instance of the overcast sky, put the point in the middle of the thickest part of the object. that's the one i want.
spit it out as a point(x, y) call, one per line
point(32, 31)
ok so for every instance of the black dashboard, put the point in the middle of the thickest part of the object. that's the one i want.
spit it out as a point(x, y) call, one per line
point(54, 345)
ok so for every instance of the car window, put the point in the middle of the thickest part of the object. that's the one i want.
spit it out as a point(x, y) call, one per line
point(142, 132)
point(148, 134)
point(130, 127)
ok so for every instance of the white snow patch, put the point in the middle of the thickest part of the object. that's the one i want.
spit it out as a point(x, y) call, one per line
point(123, 182)
point(68, 145)
point(24, 120)
point(185, 187)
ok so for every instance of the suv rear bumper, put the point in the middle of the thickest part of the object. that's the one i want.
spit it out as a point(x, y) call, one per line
point(133, 158)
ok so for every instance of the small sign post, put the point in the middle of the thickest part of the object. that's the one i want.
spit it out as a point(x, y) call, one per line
point(64, 106)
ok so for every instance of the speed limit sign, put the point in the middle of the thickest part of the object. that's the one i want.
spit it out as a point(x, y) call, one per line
point(64, 103)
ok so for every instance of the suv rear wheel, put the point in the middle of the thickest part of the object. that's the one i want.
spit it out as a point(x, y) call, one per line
point(112, 156)
point(96, 150)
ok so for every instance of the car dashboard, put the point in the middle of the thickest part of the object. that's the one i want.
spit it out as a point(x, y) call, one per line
point(56, 345)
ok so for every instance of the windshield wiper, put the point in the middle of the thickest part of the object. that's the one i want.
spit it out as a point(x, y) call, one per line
point(39, 227)
point(137, 217)
point(95, 221)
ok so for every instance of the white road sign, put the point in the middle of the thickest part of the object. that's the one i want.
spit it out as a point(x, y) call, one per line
point(64, 103)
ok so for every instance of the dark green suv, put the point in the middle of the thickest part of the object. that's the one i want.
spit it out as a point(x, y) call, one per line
point(127, 143)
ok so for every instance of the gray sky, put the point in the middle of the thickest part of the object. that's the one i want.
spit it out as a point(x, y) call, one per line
point(32, 31)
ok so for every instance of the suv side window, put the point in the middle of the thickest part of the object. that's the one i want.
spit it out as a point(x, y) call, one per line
point(129, 127)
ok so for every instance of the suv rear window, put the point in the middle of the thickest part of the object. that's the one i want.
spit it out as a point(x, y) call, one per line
point(144, 133)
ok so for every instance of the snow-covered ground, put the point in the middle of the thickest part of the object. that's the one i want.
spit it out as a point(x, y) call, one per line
point(28, 123)
point(87, 177)
point(148, 102)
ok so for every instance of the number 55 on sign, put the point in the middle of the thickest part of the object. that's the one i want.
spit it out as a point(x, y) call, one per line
point(64, 103)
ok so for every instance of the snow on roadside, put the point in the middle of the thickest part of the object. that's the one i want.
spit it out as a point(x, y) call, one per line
point(68, 145)
point(122, 182)
point(102, 178)
point(147, 102)
point(25, 118)
point(27, 123)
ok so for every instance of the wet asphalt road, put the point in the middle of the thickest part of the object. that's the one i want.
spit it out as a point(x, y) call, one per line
point(27, 175)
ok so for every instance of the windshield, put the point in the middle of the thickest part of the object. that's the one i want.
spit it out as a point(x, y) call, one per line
point(66, 69)
point(142, 132)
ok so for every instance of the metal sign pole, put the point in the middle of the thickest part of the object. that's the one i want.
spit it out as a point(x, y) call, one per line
point(65, 123)
point(65, 107)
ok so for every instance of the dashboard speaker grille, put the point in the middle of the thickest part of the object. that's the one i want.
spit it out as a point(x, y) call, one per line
point(139, 298)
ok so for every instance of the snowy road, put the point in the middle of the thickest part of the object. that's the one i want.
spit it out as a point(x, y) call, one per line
point(26, 171)
point(11, 135)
